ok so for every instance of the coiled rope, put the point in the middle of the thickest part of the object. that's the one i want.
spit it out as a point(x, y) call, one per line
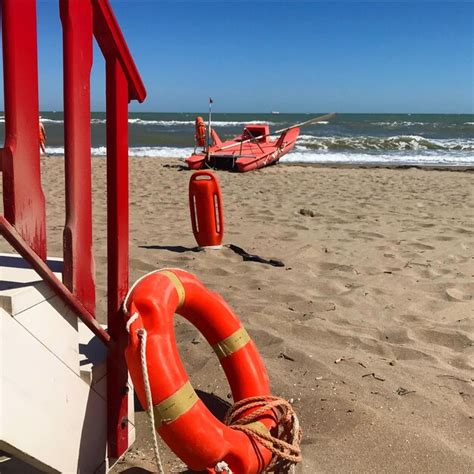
point(285, 445)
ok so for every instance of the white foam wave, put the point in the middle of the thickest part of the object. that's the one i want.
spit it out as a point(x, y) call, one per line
point(173, 123)
point(220, 123)
point(161, 152)
point(167, 123)
point(54, 150)
point(44, 120)
point(415, 159)
point(164, 123)
point(47, 120)
point(397, 142)
point(152, 152)
point(398, 123)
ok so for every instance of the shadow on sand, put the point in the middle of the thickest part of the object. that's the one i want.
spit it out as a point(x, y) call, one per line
point(171, 248)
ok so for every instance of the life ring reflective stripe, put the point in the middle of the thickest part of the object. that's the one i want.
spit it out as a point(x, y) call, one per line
point(200, 134)
point(231, 344)
point(181, 418)
point(175, 405)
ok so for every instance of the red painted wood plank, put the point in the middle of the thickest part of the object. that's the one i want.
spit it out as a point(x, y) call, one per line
point(22, 247)
point(23, 198)
point(112, 43)
point(78, 275)
point(117, 252)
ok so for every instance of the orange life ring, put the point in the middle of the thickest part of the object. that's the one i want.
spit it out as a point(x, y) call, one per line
point(181, 418)
point(200, 134)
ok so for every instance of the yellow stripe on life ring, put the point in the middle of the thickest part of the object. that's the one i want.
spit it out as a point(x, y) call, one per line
point(175, 405)
point(257, 426)
point(231, 344)
point(177, 284)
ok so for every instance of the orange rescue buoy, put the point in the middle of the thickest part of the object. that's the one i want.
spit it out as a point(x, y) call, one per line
point(191, 431)
point(200, 134)
point(205, 204)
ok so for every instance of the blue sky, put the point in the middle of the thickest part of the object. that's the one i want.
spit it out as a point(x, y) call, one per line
point(290, 56)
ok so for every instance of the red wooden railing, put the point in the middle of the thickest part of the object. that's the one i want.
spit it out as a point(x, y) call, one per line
point(23, 199)
point(24, 206)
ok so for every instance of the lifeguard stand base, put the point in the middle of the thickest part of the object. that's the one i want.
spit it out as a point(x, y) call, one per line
point(53, 379)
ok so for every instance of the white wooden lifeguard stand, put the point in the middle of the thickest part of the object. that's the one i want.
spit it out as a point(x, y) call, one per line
point(66, 404)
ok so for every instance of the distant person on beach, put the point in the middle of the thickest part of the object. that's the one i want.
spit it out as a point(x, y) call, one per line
point(42, 137)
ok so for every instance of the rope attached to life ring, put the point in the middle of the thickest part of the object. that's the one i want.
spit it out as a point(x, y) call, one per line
point(285, 446)
point(146, 382)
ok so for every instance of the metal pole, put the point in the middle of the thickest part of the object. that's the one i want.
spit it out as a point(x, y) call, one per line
point(209, 131)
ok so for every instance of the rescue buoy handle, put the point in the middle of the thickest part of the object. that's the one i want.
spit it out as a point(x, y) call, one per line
point(201, 173)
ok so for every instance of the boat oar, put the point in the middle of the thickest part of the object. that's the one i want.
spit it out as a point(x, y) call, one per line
point(321, 118)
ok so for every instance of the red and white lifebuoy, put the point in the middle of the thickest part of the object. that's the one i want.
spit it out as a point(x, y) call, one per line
point(181, 418)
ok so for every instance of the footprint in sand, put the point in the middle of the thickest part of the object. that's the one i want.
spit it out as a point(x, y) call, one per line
point(453, 340)
point(407, 353)
point(395, 336)
point(420, 246)
point(329, 266)
point(443, 238)
point(462, 230)
point(455, 294)
point(367, 235)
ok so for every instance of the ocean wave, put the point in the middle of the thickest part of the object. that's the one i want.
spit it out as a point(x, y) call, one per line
point(394, 143)
point(163, 123)
point(434, 126)
point(392, 159)
point(151, 152)
point(44, 120)
point(303, 154)
point(398, 123)
point(167, 123)
point(220, 123)
point(161, 152)
point(47, 120)
point(174, 123)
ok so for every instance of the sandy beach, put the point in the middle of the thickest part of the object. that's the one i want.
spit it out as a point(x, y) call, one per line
point(368, 328)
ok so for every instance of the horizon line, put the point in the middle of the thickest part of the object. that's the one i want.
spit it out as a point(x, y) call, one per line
point(270, 113)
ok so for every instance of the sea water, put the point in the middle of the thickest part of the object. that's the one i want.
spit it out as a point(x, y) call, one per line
point(367, 139)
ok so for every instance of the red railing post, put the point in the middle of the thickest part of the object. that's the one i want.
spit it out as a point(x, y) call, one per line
point(23, 198)
point(117, 253)
point(78, 273)
point(123, 84)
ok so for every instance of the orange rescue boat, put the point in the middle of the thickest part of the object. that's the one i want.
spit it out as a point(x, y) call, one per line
point(252, 150)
